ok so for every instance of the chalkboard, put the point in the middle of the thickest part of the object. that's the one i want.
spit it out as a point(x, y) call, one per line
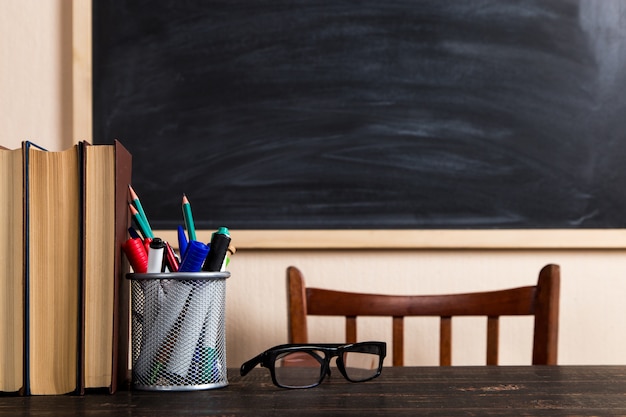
point(407, 114)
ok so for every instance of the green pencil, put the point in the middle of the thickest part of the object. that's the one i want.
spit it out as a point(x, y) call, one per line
point(143, 228)
point(135, 201)
point(191, 230)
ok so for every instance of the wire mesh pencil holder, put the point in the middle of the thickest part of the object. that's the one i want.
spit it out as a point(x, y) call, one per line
point(178, 330)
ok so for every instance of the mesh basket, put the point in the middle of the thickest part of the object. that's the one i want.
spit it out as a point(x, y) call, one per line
point(178, 330)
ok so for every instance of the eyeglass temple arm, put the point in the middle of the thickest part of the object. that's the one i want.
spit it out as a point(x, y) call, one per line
point(249, 365)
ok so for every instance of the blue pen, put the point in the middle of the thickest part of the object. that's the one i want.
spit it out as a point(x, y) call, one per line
point(182, 241)
point(194, 257)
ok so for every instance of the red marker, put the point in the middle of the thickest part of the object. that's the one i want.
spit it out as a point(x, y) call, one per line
point(136, 254)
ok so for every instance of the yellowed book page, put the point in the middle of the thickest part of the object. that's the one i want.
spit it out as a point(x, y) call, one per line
point(54, 241)
point(99, 264)
point(11, 271)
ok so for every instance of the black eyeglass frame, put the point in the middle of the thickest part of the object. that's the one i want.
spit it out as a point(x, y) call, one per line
point(267, 359)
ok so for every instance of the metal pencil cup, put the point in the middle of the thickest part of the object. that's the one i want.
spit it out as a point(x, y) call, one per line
point(178, 330)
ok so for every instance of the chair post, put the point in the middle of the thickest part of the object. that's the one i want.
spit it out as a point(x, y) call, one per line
point(297, 302)
point(545, 348)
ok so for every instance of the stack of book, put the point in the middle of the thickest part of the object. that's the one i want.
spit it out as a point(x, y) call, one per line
point(63, 292)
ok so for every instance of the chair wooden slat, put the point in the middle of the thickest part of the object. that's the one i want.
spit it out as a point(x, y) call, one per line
point(397, 340)
point(445, 341)
point(493, 329)
point(351, 329)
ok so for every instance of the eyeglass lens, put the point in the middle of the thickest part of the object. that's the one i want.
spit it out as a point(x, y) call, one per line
point(299, 369)
point(304, 369)
point(360, 366)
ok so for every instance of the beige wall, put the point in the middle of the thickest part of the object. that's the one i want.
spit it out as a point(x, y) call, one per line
point(35, 72)
point(36, 102)
point(592, 299)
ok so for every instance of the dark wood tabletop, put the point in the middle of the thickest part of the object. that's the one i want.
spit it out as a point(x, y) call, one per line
point(427, 391)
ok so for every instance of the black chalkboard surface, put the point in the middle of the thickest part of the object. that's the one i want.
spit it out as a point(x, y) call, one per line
point(407, 114)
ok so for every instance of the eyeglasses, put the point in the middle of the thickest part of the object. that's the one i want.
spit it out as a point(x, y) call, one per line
point(306, 365)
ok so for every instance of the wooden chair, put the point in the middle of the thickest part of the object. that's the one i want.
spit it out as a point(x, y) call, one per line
point(541, 300)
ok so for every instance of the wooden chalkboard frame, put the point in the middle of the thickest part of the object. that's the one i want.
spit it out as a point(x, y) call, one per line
point(554, 239)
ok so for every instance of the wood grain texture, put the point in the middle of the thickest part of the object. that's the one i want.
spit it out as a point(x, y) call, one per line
point(399, 391)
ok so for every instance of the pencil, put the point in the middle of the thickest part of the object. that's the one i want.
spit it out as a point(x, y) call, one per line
point(143, 228)
point(135, 201)
point(191, 230)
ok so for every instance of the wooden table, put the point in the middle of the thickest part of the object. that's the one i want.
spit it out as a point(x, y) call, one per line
point(424, 391)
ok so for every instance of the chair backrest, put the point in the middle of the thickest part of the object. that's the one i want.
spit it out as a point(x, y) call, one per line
point(541, 301)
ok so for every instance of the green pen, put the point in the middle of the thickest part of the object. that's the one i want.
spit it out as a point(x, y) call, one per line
point(191, 230)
